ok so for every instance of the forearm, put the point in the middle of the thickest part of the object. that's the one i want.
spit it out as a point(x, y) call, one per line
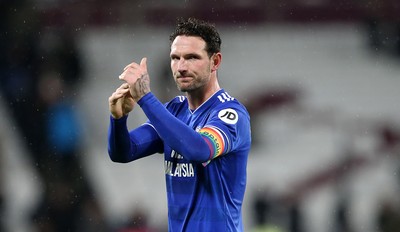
point(174, 132)
point(124, 146)
point(120, 148)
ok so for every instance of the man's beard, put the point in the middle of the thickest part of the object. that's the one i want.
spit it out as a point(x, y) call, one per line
point(195, 84)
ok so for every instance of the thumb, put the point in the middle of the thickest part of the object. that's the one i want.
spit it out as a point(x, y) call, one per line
point(143, 63)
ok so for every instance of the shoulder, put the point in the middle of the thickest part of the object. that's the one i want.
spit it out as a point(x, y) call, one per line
point(229, 111)
point(176, 102)
point(225, 102)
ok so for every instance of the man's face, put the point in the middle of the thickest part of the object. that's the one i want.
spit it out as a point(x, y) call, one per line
point(190, 63)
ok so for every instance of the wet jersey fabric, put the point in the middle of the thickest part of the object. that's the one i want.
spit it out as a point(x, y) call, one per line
point(205, 167)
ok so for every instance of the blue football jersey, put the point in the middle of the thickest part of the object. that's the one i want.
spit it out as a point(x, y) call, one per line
point(208, 196)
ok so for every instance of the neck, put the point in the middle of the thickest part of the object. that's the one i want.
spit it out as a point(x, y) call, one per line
point(199, 96)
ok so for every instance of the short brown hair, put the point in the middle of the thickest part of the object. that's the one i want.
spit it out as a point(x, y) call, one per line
point(200, 28)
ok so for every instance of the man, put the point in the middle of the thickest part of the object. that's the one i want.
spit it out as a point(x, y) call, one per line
point(205, 136)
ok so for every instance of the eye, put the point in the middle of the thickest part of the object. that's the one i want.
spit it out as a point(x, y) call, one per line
point(193, 57)
point(174, 57)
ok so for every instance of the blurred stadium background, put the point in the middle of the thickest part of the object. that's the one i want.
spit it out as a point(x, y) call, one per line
point(320, 79)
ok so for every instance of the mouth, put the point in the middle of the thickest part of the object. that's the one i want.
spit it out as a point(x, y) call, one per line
point(184, 78)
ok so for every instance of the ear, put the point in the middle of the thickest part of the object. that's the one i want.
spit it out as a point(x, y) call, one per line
point(216, 61)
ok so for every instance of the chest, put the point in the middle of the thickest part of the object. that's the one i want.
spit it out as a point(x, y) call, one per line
point(175, 164)
point(195, 120)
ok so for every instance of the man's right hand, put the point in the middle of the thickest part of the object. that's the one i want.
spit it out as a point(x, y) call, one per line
point(121, 102)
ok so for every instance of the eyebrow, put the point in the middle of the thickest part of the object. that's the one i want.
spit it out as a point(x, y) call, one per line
point(173, 55)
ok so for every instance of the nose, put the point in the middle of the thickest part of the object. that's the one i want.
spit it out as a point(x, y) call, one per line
point(182, 65)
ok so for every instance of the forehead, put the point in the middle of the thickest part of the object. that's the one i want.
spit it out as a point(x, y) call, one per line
point(184, 43)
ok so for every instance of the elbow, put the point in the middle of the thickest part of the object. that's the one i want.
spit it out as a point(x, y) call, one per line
point(197, 155)
point(199, 158)
point(117, 158)
point(119, 154)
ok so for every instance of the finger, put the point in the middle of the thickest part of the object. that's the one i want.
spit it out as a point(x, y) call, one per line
point(133, 64)
point(122, 76)
point(130, 75)
point(119, 93)
point(116, 96)
point(143, 63)
point(122, 89)
point(124, 86)
point(113, 99)
point(122, 92)
point(124, 73)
